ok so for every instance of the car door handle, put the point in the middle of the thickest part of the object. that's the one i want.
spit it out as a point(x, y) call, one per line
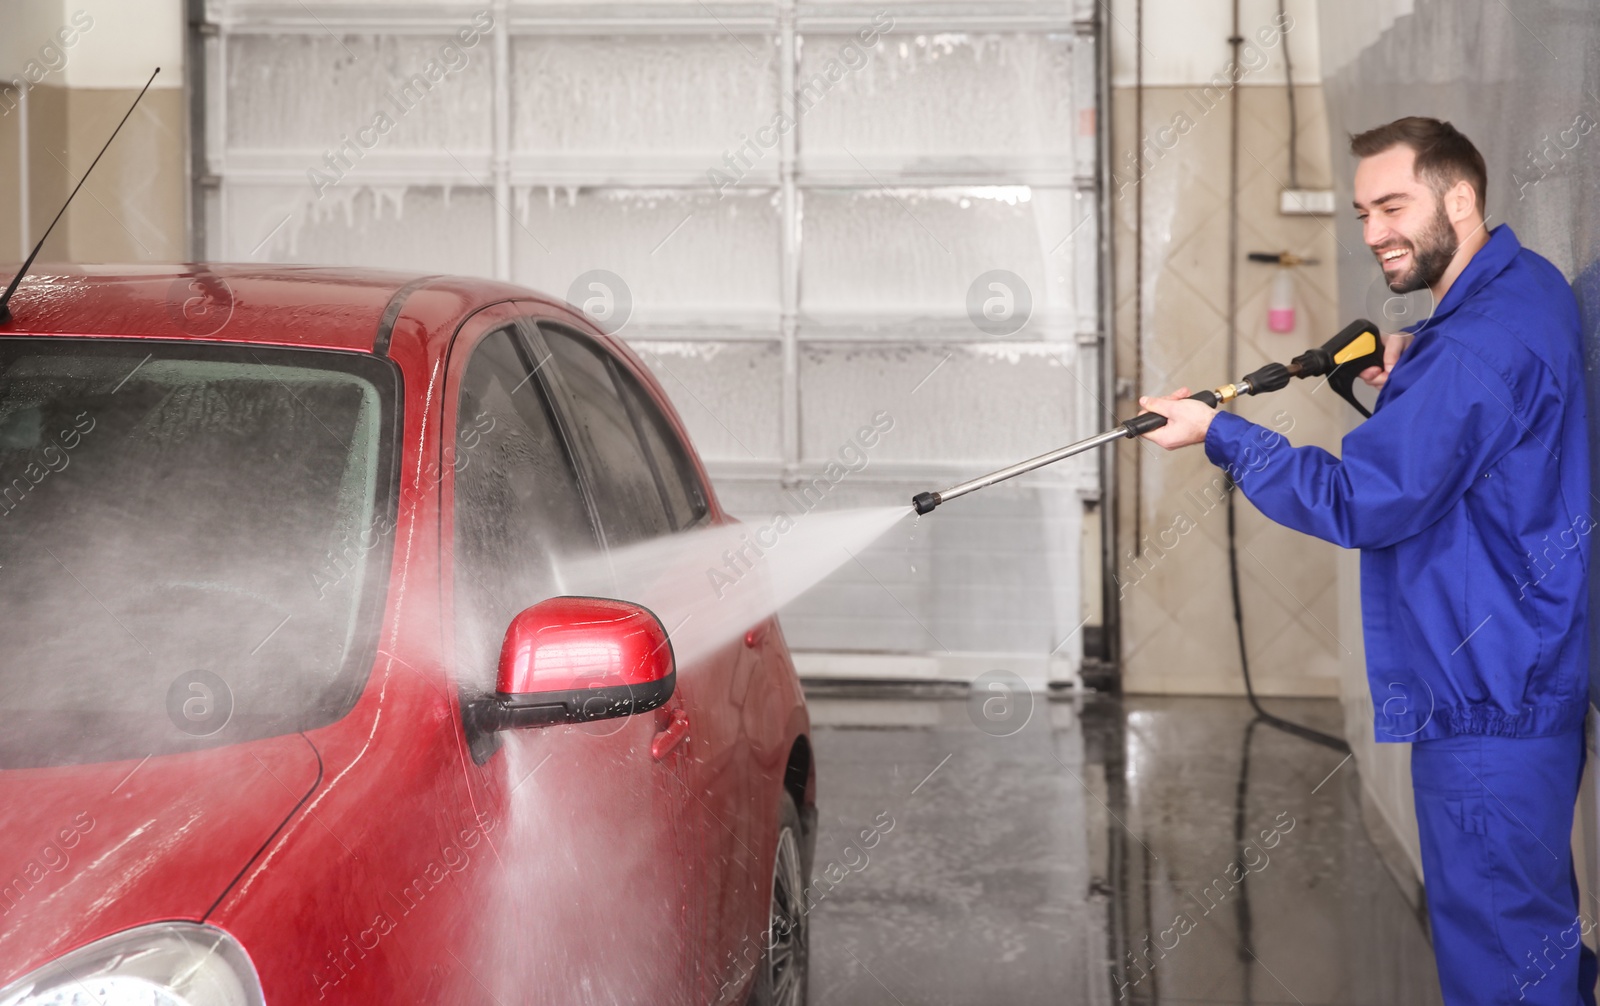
point(672, 736)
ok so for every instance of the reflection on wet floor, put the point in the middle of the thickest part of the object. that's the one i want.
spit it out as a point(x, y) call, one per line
point(1093, 857)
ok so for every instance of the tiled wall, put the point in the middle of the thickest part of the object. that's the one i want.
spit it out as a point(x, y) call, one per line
point(1178, 630)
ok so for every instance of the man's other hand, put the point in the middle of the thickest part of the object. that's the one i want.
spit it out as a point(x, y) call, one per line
point(1187, 420)
point(1393, 346)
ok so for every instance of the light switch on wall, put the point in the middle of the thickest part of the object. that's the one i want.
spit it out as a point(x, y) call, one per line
point(1306, 202)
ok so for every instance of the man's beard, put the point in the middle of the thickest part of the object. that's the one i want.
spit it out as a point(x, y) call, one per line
point(1431, 254)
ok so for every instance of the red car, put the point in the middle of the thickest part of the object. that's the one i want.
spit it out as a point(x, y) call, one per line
point(296, 710)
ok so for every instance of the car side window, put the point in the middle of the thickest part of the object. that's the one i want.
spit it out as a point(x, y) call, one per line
point(627, 488)
point(519, 508)
point(680, 483)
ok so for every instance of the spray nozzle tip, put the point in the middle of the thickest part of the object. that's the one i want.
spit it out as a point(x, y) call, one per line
point(925, 502)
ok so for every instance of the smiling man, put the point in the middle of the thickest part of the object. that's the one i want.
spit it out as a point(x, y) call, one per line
point(1467, 492)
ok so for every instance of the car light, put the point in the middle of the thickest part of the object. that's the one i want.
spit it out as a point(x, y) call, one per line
point(169, 964)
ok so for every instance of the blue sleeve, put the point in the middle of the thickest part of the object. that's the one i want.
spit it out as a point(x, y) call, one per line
point(1399, 471)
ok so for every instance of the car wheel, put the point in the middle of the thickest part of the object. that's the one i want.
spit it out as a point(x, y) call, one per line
point(782, 973)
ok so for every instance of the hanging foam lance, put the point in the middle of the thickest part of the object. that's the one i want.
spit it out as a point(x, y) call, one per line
point(1341, 359)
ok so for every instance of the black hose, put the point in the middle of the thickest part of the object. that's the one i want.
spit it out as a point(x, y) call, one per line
point(1288, 77)
point(1303, 732)
point(1138, 254)
point(1306, 733)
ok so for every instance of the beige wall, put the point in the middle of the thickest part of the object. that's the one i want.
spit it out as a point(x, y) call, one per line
point(1300, 596)
point(10, 188)
point(133, 208)
point(1178, 633)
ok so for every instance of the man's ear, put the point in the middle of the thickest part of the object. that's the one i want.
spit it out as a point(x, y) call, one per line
point(1460, 201)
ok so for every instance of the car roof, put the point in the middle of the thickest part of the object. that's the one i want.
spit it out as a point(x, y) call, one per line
point(314, 307)
point(311, 306)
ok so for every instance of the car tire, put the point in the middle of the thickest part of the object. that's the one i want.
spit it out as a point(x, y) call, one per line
point(782, 975)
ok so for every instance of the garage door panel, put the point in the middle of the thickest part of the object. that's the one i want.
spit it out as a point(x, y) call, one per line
point(978, 578)
point(582, 94)
point(916, 252)
point(785, 285)
point(723, 391)
point(420, 228)
point(315, 92)
point(683, 255)
point(926, 96)
point(951, 404)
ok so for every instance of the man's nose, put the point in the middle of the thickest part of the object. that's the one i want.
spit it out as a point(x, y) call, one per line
point(1375, 232)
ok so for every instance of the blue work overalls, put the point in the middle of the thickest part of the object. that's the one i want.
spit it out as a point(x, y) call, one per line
point(1467, 492)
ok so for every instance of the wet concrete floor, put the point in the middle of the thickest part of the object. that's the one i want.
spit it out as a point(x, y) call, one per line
point(1097, 850)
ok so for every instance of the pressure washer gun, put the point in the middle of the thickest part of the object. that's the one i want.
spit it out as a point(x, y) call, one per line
point(1341, 360)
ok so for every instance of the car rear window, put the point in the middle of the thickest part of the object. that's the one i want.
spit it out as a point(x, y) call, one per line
point(194, 542)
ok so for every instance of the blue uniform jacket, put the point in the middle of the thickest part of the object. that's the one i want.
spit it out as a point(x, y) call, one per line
point(1468, 495)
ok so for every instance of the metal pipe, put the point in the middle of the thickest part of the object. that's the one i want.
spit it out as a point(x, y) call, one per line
point(1355, 348)
point(1110, 593)
point(500, 159)
point(24, 186)
point(789, 249)
point(1138, 262)
point(925, 502)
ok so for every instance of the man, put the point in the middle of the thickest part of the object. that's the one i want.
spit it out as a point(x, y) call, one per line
point(1468, 495)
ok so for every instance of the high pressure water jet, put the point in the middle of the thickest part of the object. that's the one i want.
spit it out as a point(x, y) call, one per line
point(1340, 359)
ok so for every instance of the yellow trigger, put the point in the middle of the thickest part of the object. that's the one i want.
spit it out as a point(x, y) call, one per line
point(1362, 345)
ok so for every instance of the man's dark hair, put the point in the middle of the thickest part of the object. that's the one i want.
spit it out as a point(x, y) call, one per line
point(1444, 155)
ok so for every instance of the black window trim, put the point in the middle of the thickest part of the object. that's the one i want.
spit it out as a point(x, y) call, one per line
point(701, 510)
point(538, 356)
point(701, 498)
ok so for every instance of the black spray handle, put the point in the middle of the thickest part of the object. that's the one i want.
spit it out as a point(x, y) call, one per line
point(1144, 422)
point(1342, 359)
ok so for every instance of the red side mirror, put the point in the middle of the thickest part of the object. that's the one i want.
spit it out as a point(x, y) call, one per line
point(574, 659)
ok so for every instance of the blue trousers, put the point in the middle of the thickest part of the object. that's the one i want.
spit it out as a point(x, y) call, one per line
point(1495, 816)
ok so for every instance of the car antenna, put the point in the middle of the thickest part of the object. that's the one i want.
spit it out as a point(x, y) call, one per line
point(5, 298)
